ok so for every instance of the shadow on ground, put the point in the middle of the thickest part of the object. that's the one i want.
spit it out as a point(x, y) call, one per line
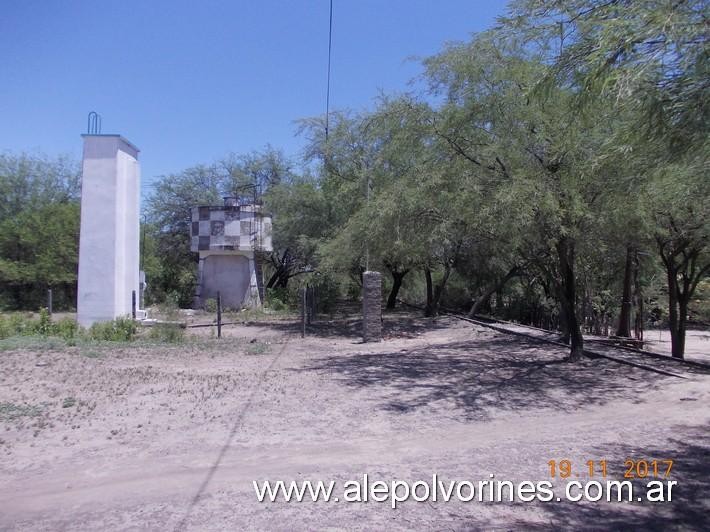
point(689, 508)
point(347, 324)
point(497, 372)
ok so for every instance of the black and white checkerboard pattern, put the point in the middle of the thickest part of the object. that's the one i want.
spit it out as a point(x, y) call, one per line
point(229, 228)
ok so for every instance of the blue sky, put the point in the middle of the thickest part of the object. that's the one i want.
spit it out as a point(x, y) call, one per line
point(191, 81)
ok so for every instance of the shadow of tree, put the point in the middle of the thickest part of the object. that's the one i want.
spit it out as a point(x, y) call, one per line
point(479, 374)
point(689, 508)
point(395, 324)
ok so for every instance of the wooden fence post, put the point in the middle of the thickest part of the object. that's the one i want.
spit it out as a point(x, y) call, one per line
point(49, 301)
point(133, 304)
point(307, 304)
point(219, 315)
point(303, 312)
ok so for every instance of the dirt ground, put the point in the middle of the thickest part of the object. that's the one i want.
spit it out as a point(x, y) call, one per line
point(159, 437)
point(697, 343)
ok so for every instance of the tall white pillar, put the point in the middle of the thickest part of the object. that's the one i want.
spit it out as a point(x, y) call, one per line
point(110, 236)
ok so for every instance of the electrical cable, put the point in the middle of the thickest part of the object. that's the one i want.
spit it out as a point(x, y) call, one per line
point(330, 47)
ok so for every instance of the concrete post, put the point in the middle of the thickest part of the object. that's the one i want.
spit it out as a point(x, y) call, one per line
point(109, 238)
point(371, 306)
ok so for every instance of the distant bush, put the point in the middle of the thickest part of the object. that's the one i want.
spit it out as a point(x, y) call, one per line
point(327, 292)
point(17, 325)
point(170, 333)
point(277, 298)
point(20, 324)
point(66, 328)
point(6, 329)
point(700, 305)
point(276, 304)
point(44, 327)
point(211, 305)
point(118, 330)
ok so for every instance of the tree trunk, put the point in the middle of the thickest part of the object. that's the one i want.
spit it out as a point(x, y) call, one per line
point(496, 287)
point(563, 326)
point(439, 290)
point(677, 309)
point(429, 307)
point(397, 278)
point(683, 279)
point(638, 301)
point(673, 318)
point(568, 296)
point(280, 277)
point(624, 328)
point(273, 279)
point(678, 350)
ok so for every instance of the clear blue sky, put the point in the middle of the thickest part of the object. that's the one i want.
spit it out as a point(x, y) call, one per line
point(191, 81)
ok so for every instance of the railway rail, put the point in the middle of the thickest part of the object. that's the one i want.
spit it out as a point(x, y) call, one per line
point(639, 358)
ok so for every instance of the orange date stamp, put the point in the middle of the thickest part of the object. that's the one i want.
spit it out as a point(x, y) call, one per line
point(643, 468)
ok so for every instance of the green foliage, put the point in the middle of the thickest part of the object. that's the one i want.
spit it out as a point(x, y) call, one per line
point(171, 333)
point(68, 402)
point(16, 324)
point(12, 411)
point(39, 230)
point(211, 305)
point(275, 299)
point(540, 152)
point(700, 306)
point(648, 57)
point(23, 331)
point(38, 250)
point(256, 348)
point(28, 181)
point(44, 327)
point(19, 324)
point(328, 291)
point(66, 328)
point(170, 266)
point(280, 298)
point(118, 330)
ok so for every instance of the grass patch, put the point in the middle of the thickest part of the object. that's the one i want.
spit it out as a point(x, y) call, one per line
point(90, 353)
point(118, 330)
point(257, 348)
point(25, 331)
point(68, 402)
point(258, 315)
point(12, 411)
point(24, 324)
point(31, 342)
point(171, 333)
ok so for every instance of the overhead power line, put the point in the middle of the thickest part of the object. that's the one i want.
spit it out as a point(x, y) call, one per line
point(327, 92)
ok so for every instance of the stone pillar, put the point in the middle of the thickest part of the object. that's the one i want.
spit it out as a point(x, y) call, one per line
point(372, 306)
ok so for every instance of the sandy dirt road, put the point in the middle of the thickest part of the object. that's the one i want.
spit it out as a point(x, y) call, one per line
point(171, 438)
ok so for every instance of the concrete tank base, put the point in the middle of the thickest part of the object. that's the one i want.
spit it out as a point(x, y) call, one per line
point(233, 275)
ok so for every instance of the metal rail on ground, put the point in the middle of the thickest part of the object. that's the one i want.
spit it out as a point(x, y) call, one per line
point(608, 343)
point(587, 352)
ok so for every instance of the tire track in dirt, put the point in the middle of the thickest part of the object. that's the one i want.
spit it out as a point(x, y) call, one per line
point(258, 387)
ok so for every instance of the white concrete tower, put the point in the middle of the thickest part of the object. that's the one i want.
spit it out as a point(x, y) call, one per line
point(110, 235)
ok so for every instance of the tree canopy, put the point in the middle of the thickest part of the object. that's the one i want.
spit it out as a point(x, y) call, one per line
point(553, 170)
